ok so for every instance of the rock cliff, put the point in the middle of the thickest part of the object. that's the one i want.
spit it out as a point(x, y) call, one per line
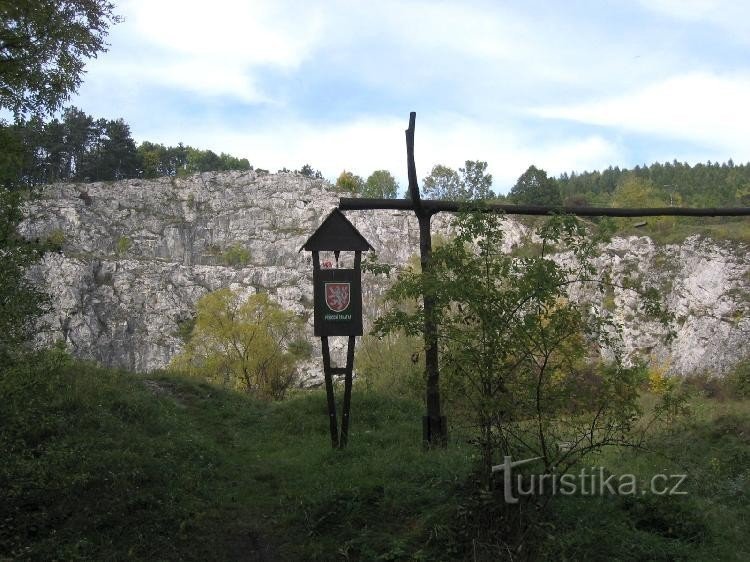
point(136, 256)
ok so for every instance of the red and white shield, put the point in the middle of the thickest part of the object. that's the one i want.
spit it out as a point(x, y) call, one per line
point(337, 296)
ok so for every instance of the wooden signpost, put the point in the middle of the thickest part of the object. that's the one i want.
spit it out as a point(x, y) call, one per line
point(337, 296)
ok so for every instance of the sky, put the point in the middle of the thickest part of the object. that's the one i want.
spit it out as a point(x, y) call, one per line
point(564, 85)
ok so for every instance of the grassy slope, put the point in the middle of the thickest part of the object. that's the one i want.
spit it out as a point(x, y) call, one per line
point(105, 465)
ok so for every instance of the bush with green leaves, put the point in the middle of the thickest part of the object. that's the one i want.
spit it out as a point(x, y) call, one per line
point(243, 344)
point(349, 182)
point(56, 239)
point(519, 358)
point(21, 302)
point(381, 185)
point(236, 255)
point(123, 245)
point(739, 380)
point(391, 365)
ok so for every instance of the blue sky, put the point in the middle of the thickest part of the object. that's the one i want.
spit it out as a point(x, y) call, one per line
point(568, 85)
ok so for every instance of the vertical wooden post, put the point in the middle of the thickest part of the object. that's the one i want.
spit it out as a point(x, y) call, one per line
point(332, 420)
point(434, 425)
point(348, 372)
point(327, 374)
point(347, 392)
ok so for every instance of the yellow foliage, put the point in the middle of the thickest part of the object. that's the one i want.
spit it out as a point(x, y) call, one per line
point(638, 192)
point(658, 381)
point(242, 344)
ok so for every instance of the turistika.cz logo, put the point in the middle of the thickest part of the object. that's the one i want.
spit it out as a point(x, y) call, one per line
point(590, 481)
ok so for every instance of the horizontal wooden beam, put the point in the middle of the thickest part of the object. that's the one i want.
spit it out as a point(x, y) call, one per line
point(438, 206)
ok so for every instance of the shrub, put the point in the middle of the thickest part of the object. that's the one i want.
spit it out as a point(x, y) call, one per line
point(513, 346)
point(393, 365)
point(738, 380)
point(123, 244)
point(241, 344)
point(56, 239)
point(236, 255)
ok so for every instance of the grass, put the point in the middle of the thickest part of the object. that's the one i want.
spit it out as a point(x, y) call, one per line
point(711, 446)
point(105, 465)
point(674, 230)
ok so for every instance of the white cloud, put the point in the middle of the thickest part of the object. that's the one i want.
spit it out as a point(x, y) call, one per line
point(730, 15)
point(246, 32)
point(486, 62)
point(365, 144)
point(698, 107)
point(472, 50)
point(208, 48)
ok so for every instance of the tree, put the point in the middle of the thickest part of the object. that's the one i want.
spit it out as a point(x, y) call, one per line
point(517, 354)
point(229, 162)
point(476, 182)
point(347, 181)
point(79, 138)
point(472, 183)
point(202, 160)
point(152, 159)
point(43, 45)
point(119, 156)
point(244, 344)
point(43, 48)
point(443, 183)
point(535, 188)
point(633, 191)
point(21, 302)
point(380, 185)
point(309, 172)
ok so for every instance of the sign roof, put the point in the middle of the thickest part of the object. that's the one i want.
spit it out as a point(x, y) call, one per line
point(336, 233)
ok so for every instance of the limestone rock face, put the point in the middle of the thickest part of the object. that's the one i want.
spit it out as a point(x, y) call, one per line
point(138, 254)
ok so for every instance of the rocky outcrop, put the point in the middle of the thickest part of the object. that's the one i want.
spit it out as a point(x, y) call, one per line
point(136, 256)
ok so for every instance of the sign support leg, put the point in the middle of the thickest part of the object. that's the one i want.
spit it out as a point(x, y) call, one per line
point(333, 422)
point(347, 392)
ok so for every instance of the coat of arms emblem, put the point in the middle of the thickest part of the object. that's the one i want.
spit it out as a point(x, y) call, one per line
point(337, 296)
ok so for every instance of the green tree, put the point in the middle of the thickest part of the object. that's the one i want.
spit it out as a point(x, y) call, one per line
point(229, 162)
point(348, 181)
point(309, 172)
point(202, 161)
point(516, 352)
point(119, 156)
point(151, 157)
point(535, 188)
point(470, 182)
point(12, 155)
point(476, 181)
point(79, 138)
point(380, 185)
point(634, 191)
point(243, 344)
point(443, 183)
point(21, 302)
point(43, 47)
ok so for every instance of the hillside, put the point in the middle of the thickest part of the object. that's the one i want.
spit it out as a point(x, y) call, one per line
point(105, 465)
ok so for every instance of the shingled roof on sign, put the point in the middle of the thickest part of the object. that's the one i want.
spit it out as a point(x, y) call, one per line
point(336, 233)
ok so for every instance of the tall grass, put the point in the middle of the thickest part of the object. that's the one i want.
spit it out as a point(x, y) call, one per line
point(104, 465)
